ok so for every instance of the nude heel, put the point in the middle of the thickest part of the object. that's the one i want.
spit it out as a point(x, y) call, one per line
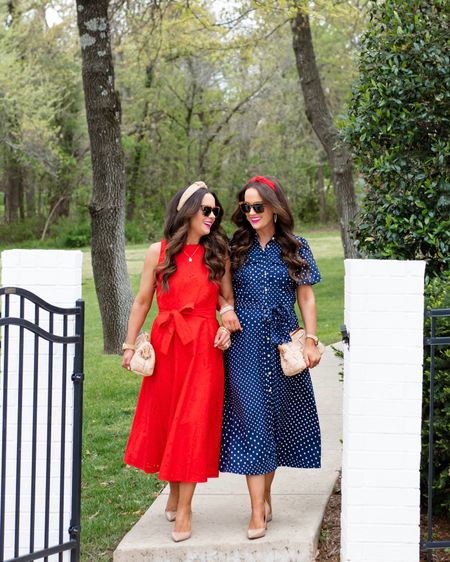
point(171, 516)
point(256, 533)
point(181, 536)
point(260, 532)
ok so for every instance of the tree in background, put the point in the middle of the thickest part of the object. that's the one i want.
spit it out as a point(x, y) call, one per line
point(399, 128)
point(107, 206)
point(317, 111)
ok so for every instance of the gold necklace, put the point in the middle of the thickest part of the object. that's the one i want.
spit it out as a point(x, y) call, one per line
point(192, 255)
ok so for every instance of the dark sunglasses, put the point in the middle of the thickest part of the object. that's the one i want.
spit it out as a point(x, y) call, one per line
point(247, 207)
point(207, 210)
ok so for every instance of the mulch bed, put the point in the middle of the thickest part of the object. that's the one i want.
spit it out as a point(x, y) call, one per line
point(330, 534)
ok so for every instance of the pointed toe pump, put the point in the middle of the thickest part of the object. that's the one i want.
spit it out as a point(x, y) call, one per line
point(171, 516)
point(179, 536)
point(260, 532)
point(256, 533)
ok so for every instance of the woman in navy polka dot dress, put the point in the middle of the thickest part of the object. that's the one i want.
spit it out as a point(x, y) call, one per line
point(270, 420)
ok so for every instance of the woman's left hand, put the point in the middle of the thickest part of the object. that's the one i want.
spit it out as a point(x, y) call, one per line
point(231, 321)
point(311, 354)
point(222, 339)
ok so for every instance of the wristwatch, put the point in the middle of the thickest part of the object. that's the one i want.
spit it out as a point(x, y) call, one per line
point(314, 338)
point(128, 346)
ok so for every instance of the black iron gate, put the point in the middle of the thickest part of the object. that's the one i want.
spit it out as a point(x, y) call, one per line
point(38, 469)
point(433, 341)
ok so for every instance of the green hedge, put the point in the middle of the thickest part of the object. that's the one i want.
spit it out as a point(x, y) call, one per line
point(399, 128)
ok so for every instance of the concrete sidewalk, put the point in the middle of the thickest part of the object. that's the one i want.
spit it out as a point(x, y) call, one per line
point(221, 507)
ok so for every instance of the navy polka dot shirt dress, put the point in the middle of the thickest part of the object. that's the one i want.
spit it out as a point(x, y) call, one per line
point(270, 420)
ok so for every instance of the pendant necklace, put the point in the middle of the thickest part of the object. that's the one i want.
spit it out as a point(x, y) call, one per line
point(192, 255)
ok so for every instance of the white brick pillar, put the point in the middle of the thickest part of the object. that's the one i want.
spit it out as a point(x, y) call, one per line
point(384, 308)
point(55, 276)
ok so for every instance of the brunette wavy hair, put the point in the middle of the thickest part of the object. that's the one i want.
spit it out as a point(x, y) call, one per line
point(176, 228)
point(244, 236)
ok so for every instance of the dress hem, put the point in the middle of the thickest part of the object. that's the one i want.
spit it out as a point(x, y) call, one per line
point(167, 478)
point(239, 471)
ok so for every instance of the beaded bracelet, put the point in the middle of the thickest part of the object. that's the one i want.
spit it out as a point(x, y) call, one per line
point(226, 308)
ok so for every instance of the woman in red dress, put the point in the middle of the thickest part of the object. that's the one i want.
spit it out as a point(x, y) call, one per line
point(177, 424)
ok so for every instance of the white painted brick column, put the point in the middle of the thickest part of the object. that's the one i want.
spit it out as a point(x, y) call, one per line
point(384, 308)
point(55, 276)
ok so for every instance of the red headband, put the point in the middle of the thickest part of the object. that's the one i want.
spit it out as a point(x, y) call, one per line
point(262, 179)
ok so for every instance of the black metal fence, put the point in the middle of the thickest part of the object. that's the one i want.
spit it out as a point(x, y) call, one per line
point(40, 444)
point(433, 341)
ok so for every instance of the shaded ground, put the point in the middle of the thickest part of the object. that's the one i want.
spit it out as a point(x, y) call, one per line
point(330, 535)
point(441, 532)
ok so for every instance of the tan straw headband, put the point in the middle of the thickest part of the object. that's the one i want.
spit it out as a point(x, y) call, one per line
point(190, 191)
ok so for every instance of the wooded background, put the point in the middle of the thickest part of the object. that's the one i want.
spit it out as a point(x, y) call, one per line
point(207, 90)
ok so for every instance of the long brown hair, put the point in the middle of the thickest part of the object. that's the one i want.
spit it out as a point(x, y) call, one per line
point(176, 229)
point(244, 236)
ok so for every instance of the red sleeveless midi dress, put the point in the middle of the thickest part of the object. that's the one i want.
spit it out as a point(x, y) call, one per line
point(177, 423)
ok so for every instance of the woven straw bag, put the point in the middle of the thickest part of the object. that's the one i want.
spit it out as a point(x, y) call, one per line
point(291, 353)
point(143, 360)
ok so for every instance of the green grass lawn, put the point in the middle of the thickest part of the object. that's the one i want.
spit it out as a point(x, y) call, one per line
point(114, 496)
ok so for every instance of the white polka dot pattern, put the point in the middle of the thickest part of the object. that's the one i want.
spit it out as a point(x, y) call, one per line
point(269, 420)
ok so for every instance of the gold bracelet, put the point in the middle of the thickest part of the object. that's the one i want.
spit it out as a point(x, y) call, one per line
point(128, 346)
point(312, 337)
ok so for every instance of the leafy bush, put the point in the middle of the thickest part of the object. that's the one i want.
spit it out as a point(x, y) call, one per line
point(438, 297)
point(15, 233)
point(135, 232)
point(399, 127)
point(147, 226)
point(72, 232)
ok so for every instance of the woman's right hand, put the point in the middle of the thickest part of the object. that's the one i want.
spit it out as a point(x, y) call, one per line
point(126, 358)
point(222, 339)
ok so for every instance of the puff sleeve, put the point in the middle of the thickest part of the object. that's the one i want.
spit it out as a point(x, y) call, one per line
point(308, 275)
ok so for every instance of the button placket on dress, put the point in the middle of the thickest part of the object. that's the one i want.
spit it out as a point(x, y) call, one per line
point(268, 382)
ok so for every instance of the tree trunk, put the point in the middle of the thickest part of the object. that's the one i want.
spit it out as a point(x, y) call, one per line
point(60, 201)
point(321, 193)
point(107, 206)
point(134, 177)
point(135, 167)
point(30, 197)
point(14, 190)
point(51, 215)
point(11, 202)
point(317, 112)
